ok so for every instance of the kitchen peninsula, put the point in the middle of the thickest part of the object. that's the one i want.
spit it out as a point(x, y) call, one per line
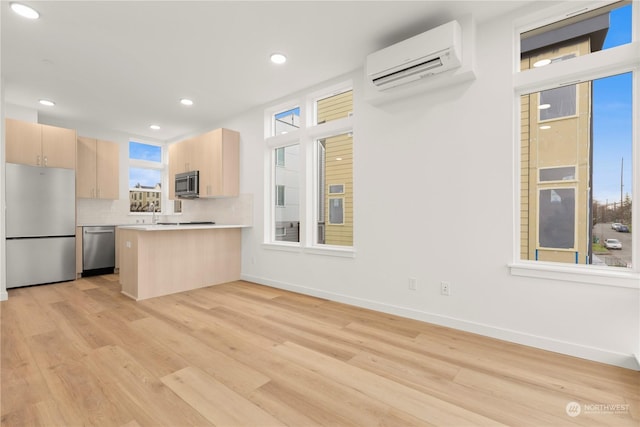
point(159, 259)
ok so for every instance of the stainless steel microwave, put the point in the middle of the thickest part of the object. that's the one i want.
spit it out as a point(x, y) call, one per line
point(187, 185)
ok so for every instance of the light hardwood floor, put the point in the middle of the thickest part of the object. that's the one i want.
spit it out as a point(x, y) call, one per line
point(240, 354)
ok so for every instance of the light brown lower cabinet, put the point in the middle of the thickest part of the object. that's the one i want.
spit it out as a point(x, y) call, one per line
point(161, 262)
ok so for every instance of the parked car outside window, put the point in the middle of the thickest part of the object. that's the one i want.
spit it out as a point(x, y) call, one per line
point(622, 229)
point(615, 225)
point(612, 244)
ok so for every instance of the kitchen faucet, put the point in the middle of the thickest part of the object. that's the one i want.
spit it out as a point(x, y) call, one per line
point(152, 208)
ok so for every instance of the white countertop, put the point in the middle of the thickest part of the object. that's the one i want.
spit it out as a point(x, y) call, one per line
point(162, 227)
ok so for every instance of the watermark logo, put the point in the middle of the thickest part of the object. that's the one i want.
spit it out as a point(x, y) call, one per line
point(573, 409)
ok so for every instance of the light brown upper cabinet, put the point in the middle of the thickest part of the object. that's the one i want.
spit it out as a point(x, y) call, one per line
point(216, 155)
point(181, 159)
point(220, 170)
point(98, 169)
point(40, 145)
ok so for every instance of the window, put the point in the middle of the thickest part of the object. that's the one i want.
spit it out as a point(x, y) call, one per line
point(280, 156)
point(280, 195)
point(287, 193)
point(311, 161)
point(336, 188)
point(557, 103)
point(553, 43)
point(567, 173)
point(334, 107)
point(576, 139)
point(286, 121)
point(335, 173)
point(336, 211)
point(146, 171)
point(557, 211)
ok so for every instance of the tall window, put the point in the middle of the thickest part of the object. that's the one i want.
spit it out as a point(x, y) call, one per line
point(146, 170)
point(287, 194)
point(310, 151)
point(334, 193)
point(577, 140)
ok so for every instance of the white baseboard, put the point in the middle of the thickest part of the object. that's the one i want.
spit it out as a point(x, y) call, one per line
point(629, 361)
point(4, 295)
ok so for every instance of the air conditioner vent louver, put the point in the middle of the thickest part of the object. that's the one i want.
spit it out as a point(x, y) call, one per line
point(433, 52)
point(408, 72)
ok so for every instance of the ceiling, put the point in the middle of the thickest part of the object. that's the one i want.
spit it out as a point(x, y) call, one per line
point(124, 65)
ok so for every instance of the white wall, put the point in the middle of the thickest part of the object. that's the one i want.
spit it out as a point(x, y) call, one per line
point(442, 163)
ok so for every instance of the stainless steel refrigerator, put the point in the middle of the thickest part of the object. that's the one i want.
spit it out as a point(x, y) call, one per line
point(40, 225)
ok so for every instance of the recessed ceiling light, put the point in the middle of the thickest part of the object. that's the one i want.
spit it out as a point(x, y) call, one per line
point(25, 11)
point(278, 58)
point(47, 102)
point(338, 158)
point(544, 106)
point(541, 63)
point(186, 101)
point(545, 127)
point(154, 127)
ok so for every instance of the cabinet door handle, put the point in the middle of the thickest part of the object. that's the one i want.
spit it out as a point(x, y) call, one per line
point(38, 160)
point(45, 160)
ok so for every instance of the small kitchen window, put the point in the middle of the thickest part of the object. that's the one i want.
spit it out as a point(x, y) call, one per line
point(146, 172)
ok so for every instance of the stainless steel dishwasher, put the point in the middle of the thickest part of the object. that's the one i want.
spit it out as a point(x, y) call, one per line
point(98, 250)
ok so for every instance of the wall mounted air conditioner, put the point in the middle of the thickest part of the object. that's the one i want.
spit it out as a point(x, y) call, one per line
point(432, 52)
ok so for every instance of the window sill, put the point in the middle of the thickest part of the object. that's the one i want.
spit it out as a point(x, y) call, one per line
point(622, 278)
point(316, 250)
point(332, 251)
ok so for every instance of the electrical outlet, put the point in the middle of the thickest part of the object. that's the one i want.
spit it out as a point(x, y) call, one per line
point(413, 283)
point(445, 288)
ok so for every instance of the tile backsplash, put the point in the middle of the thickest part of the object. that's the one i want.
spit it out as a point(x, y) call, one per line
point(231, 210)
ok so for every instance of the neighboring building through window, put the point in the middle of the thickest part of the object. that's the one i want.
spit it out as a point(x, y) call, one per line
point(146, 171)
point(334, 173)
point(287, 194)
point(573, 138)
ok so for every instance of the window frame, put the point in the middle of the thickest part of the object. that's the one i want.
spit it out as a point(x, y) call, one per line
point(306, 136)
point(605, 63)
